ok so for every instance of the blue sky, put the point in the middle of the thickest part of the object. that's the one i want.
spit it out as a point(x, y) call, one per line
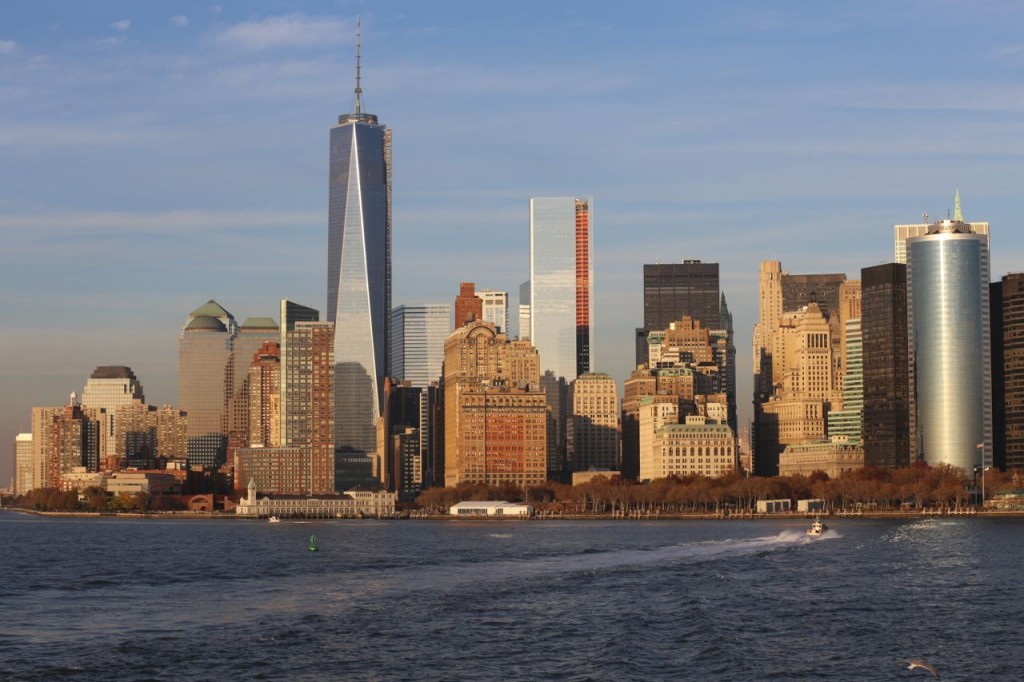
point(156, 155)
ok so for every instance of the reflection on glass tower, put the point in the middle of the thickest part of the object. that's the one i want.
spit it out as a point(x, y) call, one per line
point(561, 277)
point(359, 270)
point(948, 320)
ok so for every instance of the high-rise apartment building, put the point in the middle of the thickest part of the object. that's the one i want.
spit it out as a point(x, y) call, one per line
point(265, 396)
point(291, 313)
point(63, 438)
point(359, 270)
point(251, 336)
point(144, 434)
point(886, 366)
point(23, 480)
point(495, 308)
point(561, 278)
point(418, 333)
point(205, 382)
point(310, 413)
point(593, 433)
point(948, 321)
point(495, 416)
point(1008, 366)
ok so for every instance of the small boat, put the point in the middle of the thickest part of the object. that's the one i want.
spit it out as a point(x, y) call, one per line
point(817, 528)
point(274, 519)
point(312, 543)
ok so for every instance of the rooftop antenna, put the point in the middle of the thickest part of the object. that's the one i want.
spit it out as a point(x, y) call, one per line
point(359, 89)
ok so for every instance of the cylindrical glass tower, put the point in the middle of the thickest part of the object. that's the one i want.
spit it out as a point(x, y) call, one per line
point(947, 282)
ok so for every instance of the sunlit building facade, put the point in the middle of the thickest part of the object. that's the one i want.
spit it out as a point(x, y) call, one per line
point(948, 320)
point(561, 277)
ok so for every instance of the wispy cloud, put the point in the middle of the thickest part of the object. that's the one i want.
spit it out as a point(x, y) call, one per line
point(167, 222)
point(122, 25)
point(180, 20)
point(293, 30)
point(111, 40)
point(1008, 50)
point(8, 47)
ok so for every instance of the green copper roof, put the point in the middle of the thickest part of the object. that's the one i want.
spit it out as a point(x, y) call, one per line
point(958, 215)
point(260, 323)
point(212, 309)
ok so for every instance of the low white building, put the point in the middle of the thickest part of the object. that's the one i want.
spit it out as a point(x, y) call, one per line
point(491, 508)
point(352, 503)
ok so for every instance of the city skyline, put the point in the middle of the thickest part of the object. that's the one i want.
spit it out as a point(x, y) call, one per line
point(159, 158)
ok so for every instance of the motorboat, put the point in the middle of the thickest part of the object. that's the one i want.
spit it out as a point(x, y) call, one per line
point(274, 519)
point(817, 528)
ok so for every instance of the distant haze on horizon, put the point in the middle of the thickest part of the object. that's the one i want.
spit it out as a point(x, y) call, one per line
point(157, 156)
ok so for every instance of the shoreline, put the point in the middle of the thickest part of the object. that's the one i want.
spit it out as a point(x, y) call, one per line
point(674, 516)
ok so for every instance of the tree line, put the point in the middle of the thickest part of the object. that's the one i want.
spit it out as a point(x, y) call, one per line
point(915, 487)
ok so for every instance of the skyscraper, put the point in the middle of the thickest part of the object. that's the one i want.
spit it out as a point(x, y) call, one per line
point(672, 290)
point(1009, 367)
point(417, 342)
point(561, 278)
point(359, 269)
point(204, 382)
point(886, 366)
point(291, 313)
point(948, 320)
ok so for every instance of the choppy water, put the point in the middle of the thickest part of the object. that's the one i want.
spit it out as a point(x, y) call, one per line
point(101, 599)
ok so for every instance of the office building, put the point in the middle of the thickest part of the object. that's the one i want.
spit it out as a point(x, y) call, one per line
point(674, 290)
point(418, 333)
point(886, 366)
point(468, 306)
point(205, 382)
point(1008, 370)
point(359, 270)
point(695, 447)
point(901, 233)
point(948, 322)
point(593, 429)
point(849, 420)
point(495, 308)
point(106, 389)
point(495, 416)
point(561, 278)
point(524, 311)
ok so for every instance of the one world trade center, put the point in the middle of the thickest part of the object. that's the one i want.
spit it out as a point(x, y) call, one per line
point(359, 271)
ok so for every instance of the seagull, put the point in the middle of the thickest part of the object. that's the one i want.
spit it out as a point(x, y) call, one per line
point(924, 665)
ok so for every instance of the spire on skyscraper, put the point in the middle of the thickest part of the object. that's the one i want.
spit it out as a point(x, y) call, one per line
point(359, 89)
point(958, 215)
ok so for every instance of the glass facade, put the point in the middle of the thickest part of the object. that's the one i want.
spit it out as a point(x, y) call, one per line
point(886, 366)
point(359, 274)
point(947, 282)
point(560, 284)
point(672, 290)
point(417, 342)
